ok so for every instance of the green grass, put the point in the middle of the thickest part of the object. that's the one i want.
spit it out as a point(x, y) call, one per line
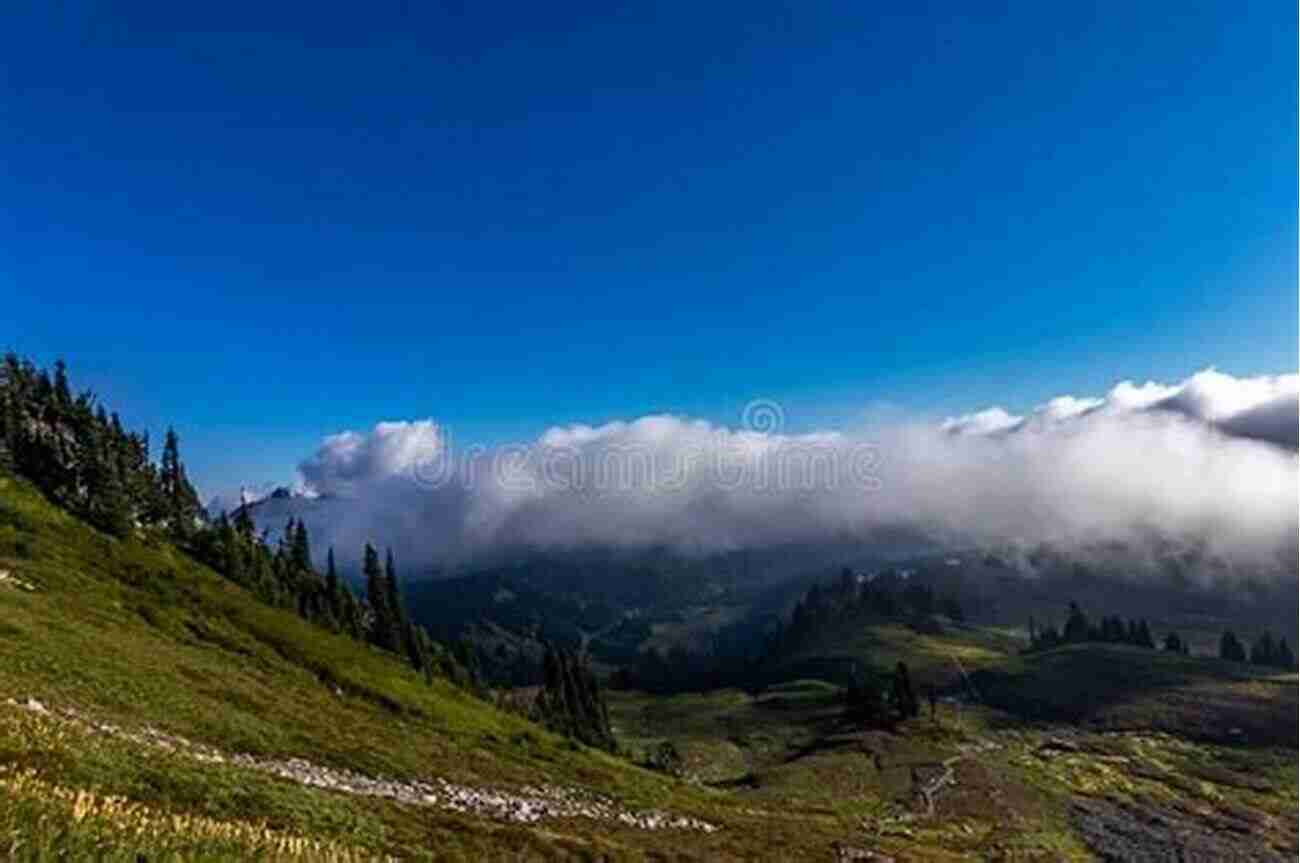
point(135, 633)
point(932, 659)
point(1117, 686)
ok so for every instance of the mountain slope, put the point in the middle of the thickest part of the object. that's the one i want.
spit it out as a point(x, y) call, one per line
point(134, 636)
point(151, 709)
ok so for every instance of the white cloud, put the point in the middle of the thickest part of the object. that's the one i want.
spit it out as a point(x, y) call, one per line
point(1209, 461)
point(989, 421)
point(348, 460)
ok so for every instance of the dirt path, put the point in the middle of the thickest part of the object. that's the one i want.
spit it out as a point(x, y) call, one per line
point(526, 805)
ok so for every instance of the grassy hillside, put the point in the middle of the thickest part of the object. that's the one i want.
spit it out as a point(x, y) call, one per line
point(135, 634)
point(150, 708)
point(1000, 788)
point(936, 658)
point(1116, 686)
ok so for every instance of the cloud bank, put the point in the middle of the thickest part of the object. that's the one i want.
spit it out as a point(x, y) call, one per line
point(1210, 461)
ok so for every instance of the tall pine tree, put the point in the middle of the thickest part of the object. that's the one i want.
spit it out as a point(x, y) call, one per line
point(180, 501)
point(398, 630)
point(381, 623)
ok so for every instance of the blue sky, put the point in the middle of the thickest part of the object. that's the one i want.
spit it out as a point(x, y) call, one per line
point(270, 222)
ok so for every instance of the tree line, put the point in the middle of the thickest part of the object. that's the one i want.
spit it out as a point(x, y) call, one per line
point(1079, 629)
point(570, 701)
point(740, 655)
point(878, 699)
point(81, 457)
point(1265, 651)
point(889, 594)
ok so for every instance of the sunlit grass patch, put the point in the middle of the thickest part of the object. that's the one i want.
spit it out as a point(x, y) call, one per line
point(45, 820)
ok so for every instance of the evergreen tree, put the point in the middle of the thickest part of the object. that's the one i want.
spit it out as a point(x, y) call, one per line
point(62, 392)
point(301, 548)
point(396, 609)
point(904, 697)
point(1173, 644)
point(334, 589)
point(1283, 657)
point(351, 617)
point(381, 627)
point(244, 522)
point(180, 501)
point(412, 645)
point(467, 656)
point(1231, 648)
point(865, 695)
point(79, 456)
point(1076, 625)
point(231, 555)
point(425, 652)
point(1263, 652)
point(570, 701)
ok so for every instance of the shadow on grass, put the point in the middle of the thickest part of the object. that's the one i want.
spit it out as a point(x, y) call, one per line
point(1120, 687)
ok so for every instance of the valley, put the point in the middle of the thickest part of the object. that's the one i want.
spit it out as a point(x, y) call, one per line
point(266, 736)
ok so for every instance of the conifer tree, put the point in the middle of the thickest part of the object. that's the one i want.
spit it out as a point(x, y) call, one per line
point(864, 695)
point(1263, 652)
point(1283, 656)
point(424, 650)
point(244, 522)
point(570, 701)
point(396, 610)
point(62, 392)
point(467, 657)
point(904, 697)
point(301, 548)
point(1076, 625)
point(409, 646)
point(381, 634)
point(333, 589)
point(180, 501)
point(1231, 648)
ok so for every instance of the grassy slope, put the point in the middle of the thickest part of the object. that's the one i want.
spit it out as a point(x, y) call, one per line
point(1142, 728)
point(1102, 685)
point(1115, 686)
point(931, 659)
point(137, 633)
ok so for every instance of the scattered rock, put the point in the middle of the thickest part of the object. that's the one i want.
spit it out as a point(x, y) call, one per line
point(1116, 830)
point(1054, 745)
point(8, 579)
point(528, 805)
point(846, 853)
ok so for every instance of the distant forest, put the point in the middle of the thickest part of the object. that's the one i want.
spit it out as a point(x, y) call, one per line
point(1266, 651)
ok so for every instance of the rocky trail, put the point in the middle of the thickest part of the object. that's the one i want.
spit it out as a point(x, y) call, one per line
point(526, 805)
point(929, 780)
